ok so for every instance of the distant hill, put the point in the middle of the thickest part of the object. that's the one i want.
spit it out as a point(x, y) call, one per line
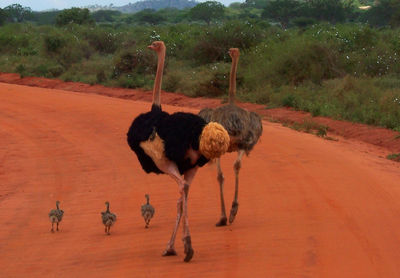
point(147, 4)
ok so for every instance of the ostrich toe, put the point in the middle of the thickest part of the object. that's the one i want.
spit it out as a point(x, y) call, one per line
point(169, 252)
point(234, 211)
point(221, 222)
point(188, 249)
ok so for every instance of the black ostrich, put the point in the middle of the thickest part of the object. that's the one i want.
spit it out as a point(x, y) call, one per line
point(244, 128)
point(175, 144)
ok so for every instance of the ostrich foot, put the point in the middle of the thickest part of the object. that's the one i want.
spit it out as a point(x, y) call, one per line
point(187, 242)
point(169, 252)
point(52, 230)
point(221, 222)
point(234, 211)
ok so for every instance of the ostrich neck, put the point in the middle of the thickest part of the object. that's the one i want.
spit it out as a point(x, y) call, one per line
point(108, 207)
point(148, 199)
point(232, 81)
point(158, 80)
point(57, 206)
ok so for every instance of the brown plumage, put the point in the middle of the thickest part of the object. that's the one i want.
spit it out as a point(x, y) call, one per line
point(147, 211)
point(55, 216)
point(244, 128)
point(108, 218)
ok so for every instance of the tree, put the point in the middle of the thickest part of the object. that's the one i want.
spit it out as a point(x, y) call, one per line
point(17, 13)
point(329, 10)
point(259, 4)
point(149, 16)
point(105, 15)
point(282, 11)
point(386, 12)
point(3, 16)
point(74, 15)
point(207, 11)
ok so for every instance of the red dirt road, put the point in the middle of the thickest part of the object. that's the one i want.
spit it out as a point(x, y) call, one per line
point(308, 207)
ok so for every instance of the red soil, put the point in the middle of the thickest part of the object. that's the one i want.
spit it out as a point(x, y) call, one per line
point(308, 207)
point(377, 136)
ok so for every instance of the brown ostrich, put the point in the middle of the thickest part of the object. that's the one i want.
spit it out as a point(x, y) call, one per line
point(55, 216)
point(108, 218)
point(147, 211)
point(177, 145)
point(244, 128)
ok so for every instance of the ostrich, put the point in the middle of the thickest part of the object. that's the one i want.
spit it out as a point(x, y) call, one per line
point(56, 216)
point(147, 211)
point(108, 218)
point(244, 130)
point(177, 145)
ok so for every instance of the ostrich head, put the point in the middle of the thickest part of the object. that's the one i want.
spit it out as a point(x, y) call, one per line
point(234, 53)
point(157, 46)
point(214, 140)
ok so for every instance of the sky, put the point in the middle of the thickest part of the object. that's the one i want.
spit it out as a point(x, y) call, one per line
point(40, 5)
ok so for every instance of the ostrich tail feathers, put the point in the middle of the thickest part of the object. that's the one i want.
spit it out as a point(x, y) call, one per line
point(214, 140)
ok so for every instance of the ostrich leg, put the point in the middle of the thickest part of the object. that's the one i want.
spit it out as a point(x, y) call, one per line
point(220, 177)
point(187, 241)
point(172, 170)
point(235, 204)
point(170, 250)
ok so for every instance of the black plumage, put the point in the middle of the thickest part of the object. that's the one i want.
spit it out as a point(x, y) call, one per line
point(180, 132)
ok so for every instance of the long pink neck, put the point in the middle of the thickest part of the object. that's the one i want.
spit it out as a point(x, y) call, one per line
point(158, 80)
point(232, 80)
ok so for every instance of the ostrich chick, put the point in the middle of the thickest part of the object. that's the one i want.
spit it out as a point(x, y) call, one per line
point(244, 128)
point(56, 216)
point(108, 218)
point(147, 211)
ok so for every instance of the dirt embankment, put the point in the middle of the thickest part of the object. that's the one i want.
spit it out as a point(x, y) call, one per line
point(377, 136)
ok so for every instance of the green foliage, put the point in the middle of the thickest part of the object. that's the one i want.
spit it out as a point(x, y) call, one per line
point(137, 61)
point(17, 13)
point(53, 43)
point(386, 12)
point(42, 18)
point(347, 71)
point(329, 10)
point(207, 11)
point(105, 15)
point(3, 16)
point(75, 16)
point(394, 157)
point(104, 40)
point(213, 45)
point(282, 11)
point(149, 16)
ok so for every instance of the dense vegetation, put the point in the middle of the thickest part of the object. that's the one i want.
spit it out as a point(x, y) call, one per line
point(344, 65)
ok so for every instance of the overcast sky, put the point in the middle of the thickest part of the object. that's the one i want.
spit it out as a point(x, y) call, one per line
point(40, 5)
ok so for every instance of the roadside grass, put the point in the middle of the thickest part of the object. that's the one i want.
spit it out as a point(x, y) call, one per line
point(394, 157)
point(347, 72)
point(309, 126)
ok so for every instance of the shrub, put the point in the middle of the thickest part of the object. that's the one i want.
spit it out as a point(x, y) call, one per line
point(137, 61)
